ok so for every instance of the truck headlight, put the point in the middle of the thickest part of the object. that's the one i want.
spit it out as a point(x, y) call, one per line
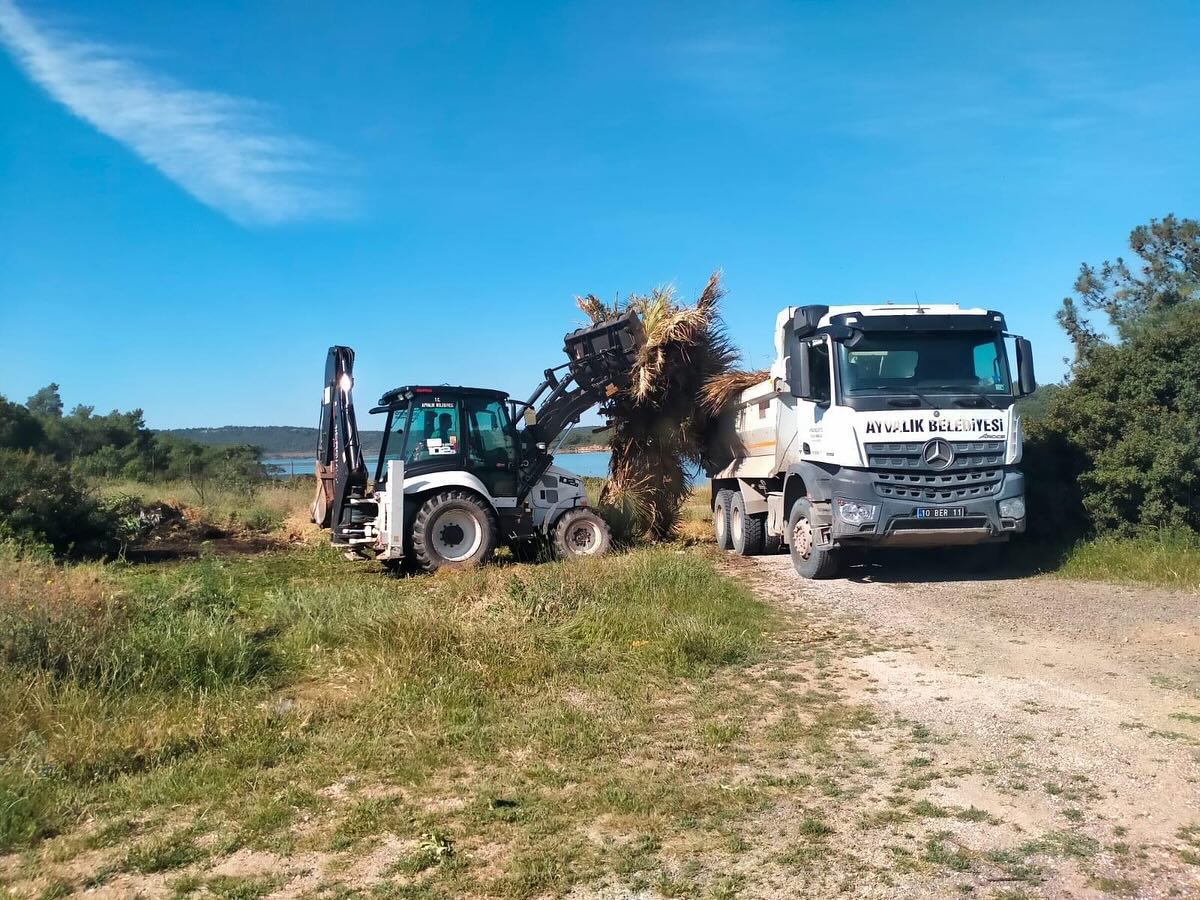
point(855, 512)
point(1013, 508)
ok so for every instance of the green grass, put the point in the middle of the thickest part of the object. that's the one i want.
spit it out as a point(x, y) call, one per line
point(161, 854)
point(219, 699)
point(1166, 558)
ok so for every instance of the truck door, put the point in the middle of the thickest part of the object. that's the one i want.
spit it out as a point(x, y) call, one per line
point(491, 450)
point(810, 436)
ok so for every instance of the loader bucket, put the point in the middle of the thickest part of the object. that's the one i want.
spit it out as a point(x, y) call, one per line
point(602, 355)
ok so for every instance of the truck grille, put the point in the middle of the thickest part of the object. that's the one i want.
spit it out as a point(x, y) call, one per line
point(899, 472)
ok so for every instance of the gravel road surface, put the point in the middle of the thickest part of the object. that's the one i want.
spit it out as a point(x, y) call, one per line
point(1072, 710)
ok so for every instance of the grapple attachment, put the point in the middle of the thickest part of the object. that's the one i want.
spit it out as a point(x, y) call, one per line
point(602, 355)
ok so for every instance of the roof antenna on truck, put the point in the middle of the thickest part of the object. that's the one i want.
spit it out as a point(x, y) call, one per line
point(920, 308)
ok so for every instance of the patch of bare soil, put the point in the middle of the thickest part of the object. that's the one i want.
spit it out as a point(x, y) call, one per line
point(172, 533)
point(1063, 719)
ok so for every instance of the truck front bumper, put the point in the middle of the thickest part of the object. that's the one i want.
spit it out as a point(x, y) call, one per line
point(896, 523)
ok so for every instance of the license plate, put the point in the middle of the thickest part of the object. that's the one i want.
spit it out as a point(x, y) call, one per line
point(941, 512)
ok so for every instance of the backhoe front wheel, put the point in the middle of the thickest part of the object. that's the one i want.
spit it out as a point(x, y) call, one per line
point(809, 560)
point(453, 530)
point(581, 532)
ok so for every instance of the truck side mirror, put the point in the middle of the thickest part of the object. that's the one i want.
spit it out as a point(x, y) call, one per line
point(1026, 381)
point(800, 372)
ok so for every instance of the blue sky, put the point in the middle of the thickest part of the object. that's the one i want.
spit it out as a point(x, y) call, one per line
point(197, 199)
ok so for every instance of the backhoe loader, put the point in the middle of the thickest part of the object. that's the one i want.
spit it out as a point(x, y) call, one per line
point(463, 469)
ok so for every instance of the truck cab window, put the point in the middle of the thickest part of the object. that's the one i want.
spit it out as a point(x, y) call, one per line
point(819, 371)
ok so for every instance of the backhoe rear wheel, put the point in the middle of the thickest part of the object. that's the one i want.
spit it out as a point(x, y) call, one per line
point(579, 533)
point(453, 530)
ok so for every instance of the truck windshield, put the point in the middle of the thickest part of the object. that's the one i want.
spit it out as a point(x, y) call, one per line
point(946, 362)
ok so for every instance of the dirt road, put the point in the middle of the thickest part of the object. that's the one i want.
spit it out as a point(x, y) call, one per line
point(1066, 714)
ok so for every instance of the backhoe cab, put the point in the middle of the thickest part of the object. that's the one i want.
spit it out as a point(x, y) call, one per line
point(461, 469)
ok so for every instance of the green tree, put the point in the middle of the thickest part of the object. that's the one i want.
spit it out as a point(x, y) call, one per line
point(46, 403)
point(82, 433)
point(1166, 276)
point(1120, 442)
point(1131, 414)
point(19, 430)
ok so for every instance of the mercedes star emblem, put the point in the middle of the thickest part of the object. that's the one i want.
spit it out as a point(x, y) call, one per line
point(938, 454)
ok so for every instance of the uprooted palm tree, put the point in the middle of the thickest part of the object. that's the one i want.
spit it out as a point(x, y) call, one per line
point(666, 422)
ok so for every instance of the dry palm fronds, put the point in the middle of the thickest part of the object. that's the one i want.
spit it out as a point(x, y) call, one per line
point(662, 425)
point(721, 390)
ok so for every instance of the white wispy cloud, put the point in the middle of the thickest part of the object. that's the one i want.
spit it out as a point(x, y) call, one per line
point(219, 148)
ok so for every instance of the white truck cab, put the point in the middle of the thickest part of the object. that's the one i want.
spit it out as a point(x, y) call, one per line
point(876, 426)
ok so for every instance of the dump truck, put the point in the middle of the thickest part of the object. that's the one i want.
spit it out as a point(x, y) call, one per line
point(463, 469)
point(876, 426)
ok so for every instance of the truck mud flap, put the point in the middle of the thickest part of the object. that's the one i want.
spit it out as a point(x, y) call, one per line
point(821, 519)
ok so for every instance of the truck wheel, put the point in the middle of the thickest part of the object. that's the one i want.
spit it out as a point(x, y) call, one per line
point(453, 530)
point(809, 561)
point(580, 532)
point(745, 531)
point(721, 519)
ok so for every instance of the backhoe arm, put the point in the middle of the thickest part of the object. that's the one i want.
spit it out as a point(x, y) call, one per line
point(601, 357)
point(341, 472)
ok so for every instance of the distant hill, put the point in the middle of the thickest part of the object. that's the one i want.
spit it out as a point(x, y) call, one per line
point(272, 440)
point(292, 440)
point(587, 436)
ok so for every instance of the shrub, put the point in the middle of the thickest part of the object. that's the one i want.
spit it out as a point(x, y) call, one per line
point(261, 518)
point(41, 502)
point(26, 812)
point(1052, 465)
point(1120, 441)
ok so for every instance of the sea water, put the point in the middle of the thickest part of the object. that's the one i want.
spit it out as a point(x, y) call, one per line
point(593, 464)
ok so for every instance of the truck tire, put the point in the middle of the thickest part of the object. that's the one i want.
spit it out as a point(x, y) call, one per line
point(721, 519)
point(581, 533)
point(745, 531)
point(453, 530)
point(809, 561)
